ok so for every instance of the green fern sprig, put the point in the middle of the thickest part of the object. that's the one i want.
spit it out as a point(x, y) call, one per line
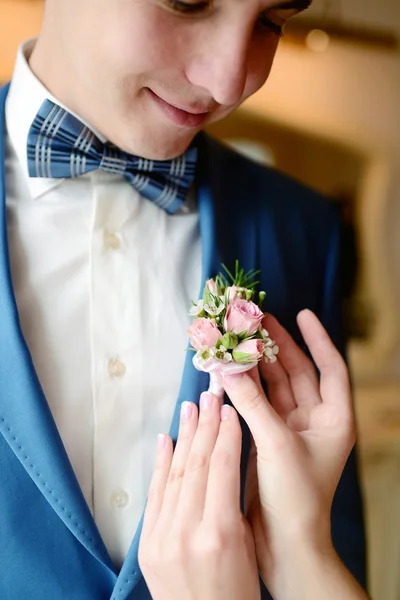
point(241, 278)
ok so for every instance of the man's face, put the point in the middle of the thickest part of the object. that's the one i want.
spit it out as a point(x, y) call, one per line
point(149, 74)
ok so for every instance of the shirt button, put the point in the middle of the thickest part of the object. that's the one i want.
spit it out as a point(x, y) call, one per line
point(111, 240)
point(116, 368)
point(119, 499)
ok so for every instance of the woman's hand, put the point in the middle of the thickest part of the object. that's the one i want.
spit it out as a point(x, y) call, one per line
point(196, 543)
point(303, 435)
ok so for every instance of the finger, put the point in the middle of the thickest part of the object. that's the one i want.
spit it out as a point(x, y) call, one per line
point(275, 374)
point(280, 394)
point(187, 430)
point(223, 488)
point(249, 400)
point(251, 491)
point(216, 388)
point(158, 482)
point(335, 384)
point(194, 485)
point(299, 368)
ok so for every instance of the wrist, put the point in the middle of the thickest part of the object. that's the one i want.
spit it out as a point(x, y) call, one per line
point(309, 571)
point(293, 561)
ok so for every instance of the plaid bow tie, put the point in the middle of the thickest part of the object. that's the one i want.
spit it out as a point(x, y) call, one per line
point(59, 145)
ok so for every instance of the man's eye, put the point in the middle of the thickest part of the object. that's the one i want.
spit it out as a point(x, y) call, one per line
point(187, 7)
point(268, 24)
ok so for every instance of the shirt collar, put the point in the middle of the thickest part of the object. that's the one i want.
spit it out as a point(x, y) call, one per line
point(25, 97)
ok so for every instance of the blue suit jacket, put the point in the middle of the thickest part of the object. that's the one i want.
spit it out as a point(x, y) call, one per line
point(50, 547)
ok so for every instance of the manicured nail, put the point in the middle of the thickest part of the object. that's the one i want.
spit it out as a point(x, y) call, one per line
point(186, 411)
point(205, 400)
point(161, 439)
point(232, 379)
point(225, 412)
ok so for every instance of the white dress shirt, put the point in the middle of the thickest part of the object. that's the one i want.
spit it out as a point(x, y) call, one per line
point(103, 282)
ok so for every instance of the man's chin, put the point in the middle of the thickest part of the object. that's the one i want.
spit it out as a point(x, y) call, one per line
point(163, 149)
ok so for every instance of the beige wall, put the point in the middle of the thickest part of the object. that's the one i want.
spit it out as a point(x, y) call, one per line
point(19, 20)
point(348, 90)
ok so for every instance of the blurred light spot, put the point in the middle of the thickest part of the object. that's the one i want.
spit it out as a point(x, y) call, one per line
point(317, 40)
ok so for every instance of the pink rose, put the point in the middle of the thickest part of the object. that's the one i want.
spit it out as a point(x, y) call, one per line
point(243, 315)
point(212, 286)
point(203, 332)
point(248, 351)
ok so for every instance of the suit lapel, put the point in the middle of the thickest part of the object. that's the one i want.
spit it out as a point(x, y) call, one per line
point(25, 418)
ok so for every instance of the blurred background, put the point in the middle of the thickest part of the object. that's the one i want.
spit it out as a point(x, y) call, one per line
point(330, 116)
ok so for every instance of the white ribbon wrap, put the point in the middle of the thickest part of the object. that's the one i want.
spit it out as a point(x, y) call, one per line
point(215, 368)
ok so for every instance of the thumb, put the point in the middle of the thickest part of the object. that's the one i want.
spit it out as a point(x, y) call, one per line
point(247, 396)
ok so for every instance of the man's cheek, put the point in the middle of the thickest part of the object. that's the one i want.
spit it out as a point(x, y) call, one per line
point(256, 79)
point(260, 65)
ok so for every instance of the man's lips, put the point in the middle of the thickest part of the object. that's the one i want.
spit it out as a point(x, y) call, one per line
point(184, 118)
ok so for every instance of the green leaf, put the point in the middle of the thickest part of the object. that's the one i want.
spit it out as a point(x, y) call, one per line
point(230, 340)
point(208, 297)
point(243, 336)
point(219, 284)
point(231, 277)
point(242, 357)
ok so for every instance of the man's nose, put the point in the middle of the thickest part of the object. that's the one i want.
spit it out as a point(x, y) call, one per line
point(220, 66)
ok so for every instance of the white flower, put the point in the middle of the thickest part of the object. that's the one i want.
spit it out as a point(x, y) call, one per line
point(214, 310)
point(196, 309)
point(222, 354)
point(205, 354)
point(271, 349)
point(270, 352)
point(270, 359)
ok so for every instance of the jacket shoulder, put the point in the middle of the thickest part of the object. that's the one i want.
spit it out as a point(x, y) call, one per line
point(267, 187)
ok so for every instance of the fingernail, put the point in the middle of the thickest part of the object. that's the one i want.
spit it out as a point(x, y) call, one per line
point(186, 411)
point(205, 400)
point(161, 439)
point(225, 412)
point(232, 379)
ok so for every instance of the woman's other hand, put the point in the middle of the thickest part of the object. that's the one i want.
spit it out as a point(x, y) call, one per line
point(196, 543)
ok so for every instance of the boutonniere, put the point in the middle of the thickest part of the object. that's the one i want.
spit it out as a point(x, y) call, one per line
point(227, 333)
